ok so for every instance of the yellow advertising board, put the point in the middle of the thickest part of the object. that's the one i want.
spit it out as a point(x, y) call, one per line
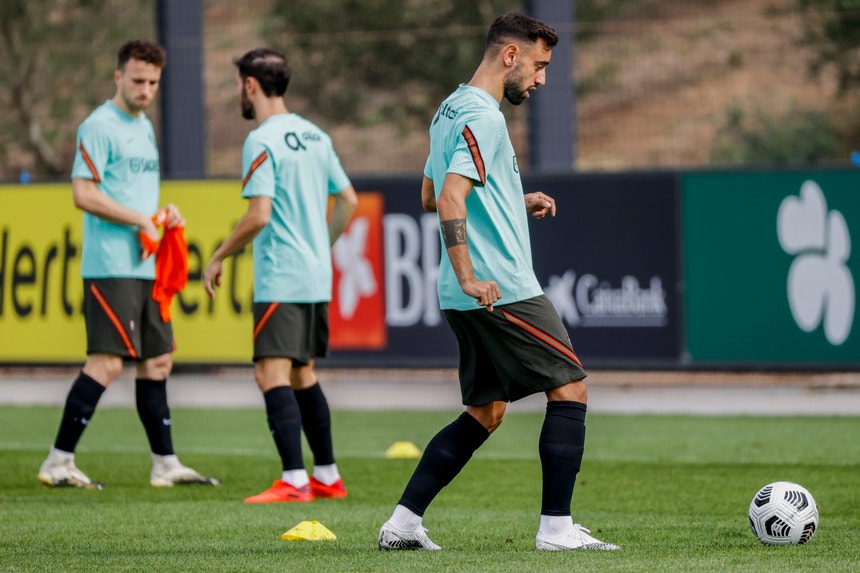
point(41, 292)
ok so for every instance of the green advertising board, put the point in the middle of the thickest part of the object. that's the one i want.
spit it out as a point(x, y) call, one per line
point(770, 279)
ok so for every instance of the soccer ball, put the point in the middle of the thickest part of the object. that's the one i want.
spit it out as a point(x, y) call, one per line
point(783, 513)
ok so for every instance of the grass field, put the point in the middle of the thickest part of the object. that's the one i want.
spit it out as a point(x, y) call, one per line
point(673, 491)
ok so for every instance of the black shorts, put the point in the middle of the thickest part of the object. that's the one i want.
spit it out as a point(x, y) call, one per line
point(123, 320)
point(515, 351)
point(291, 330)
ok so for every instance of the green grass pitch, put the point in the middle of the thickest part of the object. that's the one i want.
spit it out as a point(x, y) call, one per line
point(673, 491)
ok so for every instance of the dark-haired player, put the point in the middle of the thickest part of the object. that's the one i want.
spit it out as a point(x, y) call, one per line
point(289, 172)
point(115, 181)
point(511, 340)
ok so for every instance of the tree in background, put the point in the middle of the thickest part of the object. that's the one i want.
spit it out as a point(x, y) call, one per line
point(369, 61)
point(55, 66)
point(365, 63)
point(832, 30)
point(801, 137)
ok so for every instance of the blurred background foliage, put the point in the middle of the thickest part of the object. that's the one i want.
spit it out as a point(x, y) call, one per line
point(659, 83)
point(56, 63)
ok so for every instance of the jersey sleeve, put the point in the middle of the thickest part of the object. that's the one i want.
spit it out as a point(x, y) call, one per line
point(337, 177)
point(428, 168)
point(476, 145)
point(93, 151)
point(258, 169)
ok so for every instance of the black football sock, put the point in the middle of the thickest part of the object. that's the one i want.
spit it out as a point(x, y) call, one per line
point(444, 457)
point(151, 399)
point(282, 413)
point(561, 445)
point(316, 423)
point(81, 403)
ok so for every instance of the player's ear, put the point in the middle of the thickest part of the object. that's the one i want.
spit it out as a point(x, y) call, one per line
point(510, 53)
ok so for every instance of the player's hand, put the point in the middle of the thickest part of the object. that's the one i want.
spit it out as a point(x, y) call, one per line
point(174, 217)
point(212, 277)
point(485, 293)
point(540, 204)
point(149, 237)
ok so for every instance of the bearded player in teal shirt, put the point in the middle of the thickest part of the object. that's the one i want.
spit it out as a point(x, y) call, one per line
point(289, 172)
point(511, 340)
point(115, 181)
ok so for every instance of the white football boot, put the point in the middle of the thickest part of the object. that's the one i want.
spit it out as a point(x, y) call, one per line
point(576, 537)
point(393, 538)
point(59, 470)
point(167, 471)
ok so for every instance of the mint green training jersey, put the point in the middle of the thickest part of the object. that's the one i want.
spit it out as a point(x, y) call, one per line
point(469, 137)
point(119, 153)
point(291, 160)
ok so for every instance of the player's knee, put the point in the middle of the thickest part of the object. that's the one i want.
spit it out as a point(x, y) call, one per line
point(576, 391)
point(157, 368)
point(490, 416)
point(495, 422)
point(302, 377)
point(103, 368)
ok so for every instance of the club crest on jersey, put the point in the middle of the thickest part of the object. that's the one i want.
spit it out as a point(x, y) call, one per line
point(516, 165)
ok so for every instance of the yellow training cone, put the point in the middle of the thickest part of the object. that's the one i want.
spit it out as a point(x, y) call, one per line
point(309, 531)
point(403, 450)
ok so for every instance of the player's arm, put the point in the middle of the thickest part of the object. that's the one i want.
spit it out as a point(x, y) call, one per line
point(428, 195)
point(451, 206)
point(345, 203)
point(88, 198)
point(540, 204)
point(249, 226)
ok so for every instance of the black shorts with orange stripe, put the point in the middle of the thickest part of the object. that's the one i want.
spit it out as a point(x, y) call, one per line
point(515, 351)
point(291, 330)
point(123, 319)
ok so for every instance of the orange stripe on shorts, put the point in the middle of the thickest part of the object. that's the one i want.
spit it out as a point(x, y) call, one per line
point(270, 310)
point(542, 336)
point(117, 323)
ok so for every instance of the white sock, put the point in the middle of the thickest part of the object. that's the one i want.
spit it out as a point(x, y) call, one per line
point(326, 474)
point(555, 524)
point(296, 478)
point(171, 459)
point(60, 455)
point(405, 519)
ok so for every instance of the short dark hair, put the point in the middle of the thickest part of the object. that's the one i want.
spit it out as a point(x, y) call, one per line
point(519, 26)
point(142, 50)
point(268, 67)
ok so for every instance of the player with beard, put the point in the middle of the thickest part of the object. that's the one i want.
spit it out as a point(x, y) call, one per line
point(289, 172)
point(115, 181)
point(511, 340)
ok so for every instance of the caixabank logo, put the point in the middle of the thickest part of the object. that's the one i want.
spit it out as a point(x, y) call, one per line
point(820, 286)
point(588, 301)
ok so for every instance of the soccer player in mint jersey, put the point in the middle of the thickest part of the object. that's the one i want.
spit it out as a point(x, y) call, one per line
point(289, 172)
point(511, 340)
point(115, 181)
